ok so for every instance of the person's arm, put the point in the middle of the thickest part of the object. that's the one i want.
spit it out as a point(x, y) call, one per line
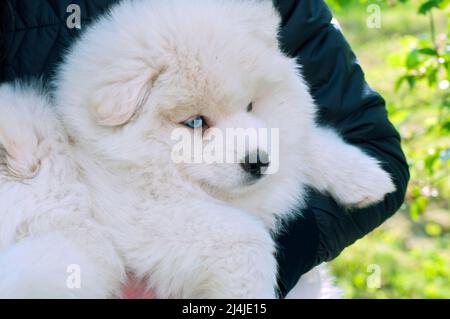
point(347, 103)
point(34, 35)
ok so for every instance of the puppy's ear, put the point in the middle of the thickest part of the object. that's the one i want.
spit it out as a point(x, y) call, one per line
point(116, 102)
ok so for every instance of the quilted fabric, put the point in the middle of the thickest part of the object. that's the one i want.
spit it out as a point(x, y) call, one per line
point(34, 34)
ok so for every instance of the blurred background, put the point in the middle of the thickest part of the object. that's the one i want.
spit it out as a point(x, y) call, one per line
point(404, 48)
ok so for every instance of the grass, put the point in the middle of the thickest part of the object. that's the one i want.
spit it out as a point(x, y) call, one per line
point(405, 257)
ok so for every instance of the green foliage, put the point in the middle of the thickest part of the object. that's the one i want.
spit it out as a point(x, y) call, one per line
point(407, 60)
point(409, 269)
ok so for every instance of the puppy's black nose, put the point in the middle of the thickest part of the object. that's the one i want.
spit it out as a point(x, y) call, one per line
point(255, 163)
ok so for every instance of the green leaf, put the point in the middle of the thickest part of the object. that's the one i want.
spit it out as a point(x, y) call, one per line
point(428, 51)
point(432, 77)
point(418, 207)
point(411, 81)
point(430, 160)
point(413, 59)
point(446, 126)
point(399, 82)
point(429, 5)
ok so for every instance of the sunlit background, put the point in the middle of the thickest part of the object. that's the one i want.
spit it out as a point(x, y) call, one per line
point(404, 49)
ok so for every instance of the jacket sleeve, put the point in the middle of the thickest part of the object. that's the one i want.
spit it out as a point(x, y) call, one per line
point(358, 113)
point(34, 35)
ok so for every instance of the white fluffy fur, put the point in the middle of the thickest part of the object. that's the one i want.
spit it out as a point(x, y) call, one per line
point(46, 221)
point(112, 199)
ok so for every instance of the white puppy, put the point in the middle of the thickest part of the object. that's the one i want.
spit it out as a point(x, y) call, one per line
point(193, 230)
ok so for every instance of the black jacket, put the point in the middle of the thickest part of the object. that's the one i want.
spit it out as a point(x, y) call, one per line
point(34, 35)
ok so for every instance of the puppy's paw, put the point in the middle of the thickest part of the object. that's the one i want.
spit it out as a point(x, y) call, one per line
point(19, 146)
point(20, 157)
point(22, 123)
point(368, 184)
point(349, 175)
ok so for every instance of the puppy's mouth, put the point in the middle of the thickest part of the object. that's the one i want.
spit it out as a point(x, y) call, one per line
point(251, 180)
point(245, 185)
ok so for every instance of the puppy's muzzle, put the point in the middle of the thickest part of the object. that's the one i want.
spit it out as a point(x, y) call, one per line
point(255, 163)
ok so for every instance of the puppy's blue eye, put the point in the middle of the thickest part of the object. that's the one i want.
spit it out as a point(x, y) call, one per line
point(195, 122)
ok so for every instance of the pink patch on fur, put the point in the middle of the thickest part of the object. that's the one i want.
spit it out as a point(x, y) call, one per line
point(135, 289)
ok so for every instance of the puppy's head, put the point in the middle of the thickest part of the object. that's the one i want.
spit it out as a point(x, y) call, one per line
point(165, 83)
